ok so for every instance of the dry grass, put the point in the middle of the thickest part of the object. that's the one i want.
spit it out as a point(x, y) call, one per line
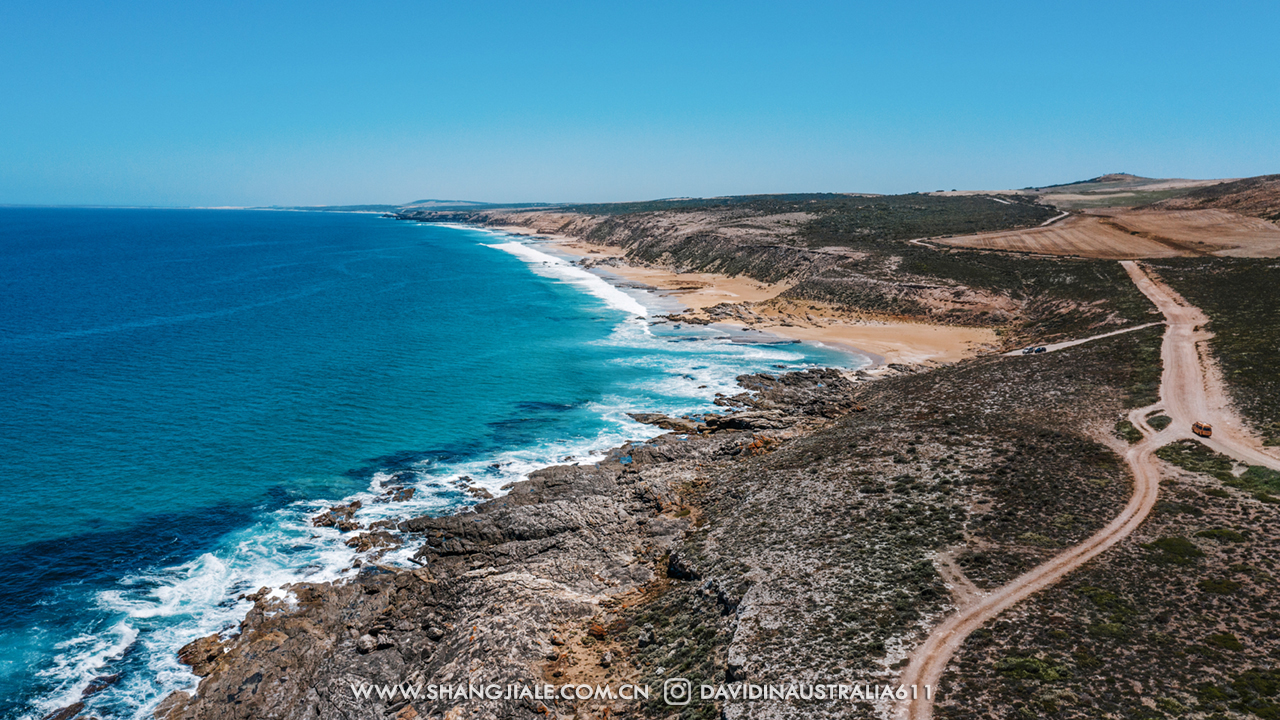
point(1220, 232)
point(1128, 235)
point(1082, 235)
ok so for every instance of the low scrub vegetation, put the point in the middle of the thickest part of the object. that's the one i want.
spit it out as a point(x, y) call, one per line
point(1126, 431)
point(1246, 327)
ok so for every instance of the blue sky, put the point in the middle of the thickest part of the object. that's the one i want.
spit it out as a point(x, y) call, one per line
point(222, 103)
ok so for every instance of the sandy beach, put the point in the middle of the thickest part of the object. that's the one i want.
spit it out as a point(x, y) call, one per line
point(886, 341)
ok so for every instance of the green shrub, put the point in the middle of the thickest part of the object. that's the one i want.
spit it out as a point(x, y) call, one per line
point(1031, 668)
point(1259, 478)
point(1222, 535)
point(1192, 455)
point(1211, 694)
point(1113, 630)
point(1175, 550)
point(1173, 508)
point(1085, 661)
point(1104, 599)
point(1226, 641)
point(1255, 683)
point(1219, 586)
point(1159, 422)
point(1126, 431)
point(1033, 538)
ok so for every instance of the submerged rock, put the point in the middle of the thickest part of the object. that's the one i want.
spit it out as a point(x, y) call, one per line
point(65, 713)
point(480, 493)
point(339, 516)
point(100, 683)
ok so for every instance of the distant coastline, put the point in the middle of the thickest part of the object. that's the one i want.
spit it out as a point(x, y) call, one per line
point(883, 341)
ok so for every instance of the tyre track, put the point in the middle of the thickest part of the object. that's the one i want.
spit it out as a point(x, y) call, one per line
point(1190, 390)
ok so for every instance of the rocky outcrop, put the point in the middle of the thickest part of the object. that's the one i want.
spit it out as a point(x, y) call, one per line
point(495, 589)
point(202, 655)
point(681, 425)
point(495, 584)
point(95, 686)
point(339, 516)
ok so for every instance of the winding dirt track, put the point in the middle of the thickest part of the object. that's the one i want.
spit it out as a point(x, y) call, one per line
point(1072, 343)
point(1190, 390)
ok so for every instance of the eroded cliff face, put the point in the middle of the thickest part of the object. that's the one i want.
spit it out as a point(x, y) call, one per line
point(495, 585)
point(501, 588)
point(863, 275)
point(812, 532)
point(731, 242)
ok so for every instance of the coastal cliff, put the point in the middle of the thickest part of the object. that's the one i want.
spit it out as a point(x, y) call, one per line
point(851, 257)
point(813, 534)
point(787, 540)
point(500, 587)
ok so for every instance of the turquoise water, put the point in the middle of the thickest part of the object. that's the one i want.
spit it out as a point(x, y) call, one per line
point(183, 389)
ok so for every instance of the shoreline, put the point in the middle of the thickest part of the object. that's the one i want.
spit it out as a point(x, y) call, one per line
point(378, 569)
point(487, 578)
point(374, 549)
point(884, 342)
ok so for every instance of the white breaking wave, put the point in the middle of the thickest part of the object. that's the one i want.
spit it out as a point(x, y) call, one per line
point(551, 266)
point(164, 610)
point(83, 657)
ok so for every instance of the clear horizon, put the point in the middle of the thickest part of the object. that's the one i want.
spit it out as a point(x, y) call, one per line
point(152, 104)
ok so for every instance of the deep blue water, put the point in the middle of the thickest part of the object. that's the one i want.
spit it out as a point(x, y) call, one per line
point(182, 389)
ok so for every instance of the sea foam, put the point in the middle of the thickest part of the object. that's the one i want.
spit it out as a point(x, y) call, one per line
point(162, 610)
point(551, 266)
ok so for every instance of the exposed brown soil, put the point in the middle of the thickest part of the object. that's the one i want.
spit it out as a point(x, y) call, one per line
point(1257, 197)
point(1190, 391)
point(1196, 232)
point(1080, 235)
point(1131, 235)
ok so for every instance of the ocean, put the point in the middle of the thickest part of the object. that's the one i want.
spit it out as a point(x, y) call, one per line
point(184, 389)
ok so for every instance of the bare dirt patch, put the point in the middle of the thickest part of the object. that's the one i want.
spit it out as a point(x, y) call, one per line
point(1081, 235)
point(1256, 197)
point(1129, 235)
point(1219, 232)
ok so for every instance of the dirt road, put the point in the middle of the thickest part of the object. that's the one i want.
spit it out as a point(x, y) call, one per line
point(1072, 343)
point(928, 662)
point(1190, 390)
point(1054, 219)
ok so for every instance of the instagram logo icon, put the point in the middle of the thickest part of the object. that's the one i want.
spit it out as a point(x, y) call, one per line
point(677, 691)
